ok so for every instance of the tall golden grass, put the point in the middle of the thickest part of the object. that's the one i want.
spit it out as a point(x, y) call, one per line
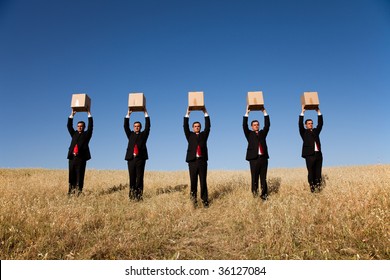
point(348, 219)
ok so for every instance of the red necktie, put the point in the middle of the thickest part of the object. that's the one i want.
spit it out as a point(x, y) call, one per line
point(198, 150)
point(260, 147)
point(135, 152)
point(76, 150)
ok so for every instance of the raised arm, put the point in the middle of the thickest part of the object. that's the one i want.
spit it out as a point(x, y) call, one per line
point(126, 124)
point(207, 123)
point(70, 123)
point(186, 125)
point(90, 125)
point(320, 121)
point(147, 124)
point(267, 122)
point(245, 122)
point(300, 122)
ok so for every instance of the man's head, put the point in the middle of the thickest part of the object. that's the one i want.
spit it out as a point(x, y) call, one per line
point(196, 127)
point(309, 124)
point(137, 127)
point(80, 126)
point(255, 125)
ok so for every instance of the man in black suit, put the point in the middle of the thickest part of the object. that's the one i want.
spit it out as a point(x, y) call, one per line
point(78, 153)
point(136, 154)
point(257, 152)
point(197, 156)
point(311, 149)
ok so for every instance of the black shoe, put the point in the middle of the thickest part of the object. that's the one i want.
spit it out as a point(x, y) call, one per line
point(264, 197)
point(206, 204)
point(312, 189)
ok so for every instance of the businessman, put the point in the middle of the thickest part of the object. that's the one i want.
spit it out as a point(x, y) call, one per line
point(136, 154)
point(257, 153)
point(197, 156)
point(78, 153)
point(311, 149)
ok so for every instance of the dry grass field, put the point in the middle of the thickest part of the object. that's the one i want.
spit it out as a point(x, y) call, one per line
point(349, 219)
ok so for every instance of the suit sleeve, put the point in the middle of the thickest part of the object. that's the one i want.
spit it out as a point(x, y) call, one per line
point(126, 126)
point(147, 127)
point(90, 127)
point(245, 126)
point(186, 127)
point(70, 126)
point(267, 124)
point(207, 126)
point(320, 123)
point(301, 127)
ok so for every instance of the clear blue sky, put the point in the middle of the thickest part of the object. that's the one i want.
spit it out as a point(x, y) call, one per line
point(52, 49)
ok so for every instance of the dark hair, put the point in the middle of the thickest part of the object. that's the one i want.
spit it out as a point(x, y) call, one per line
point(308, 120)
point(139, 123)
point(195, 123)
point(254, 122)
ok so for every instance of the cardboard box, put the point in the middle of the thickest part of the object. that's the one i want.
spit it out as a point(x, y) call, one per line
point(255, 100)
point(137, 102)
point(196, 100)
point(310, 100)
point(80, 102)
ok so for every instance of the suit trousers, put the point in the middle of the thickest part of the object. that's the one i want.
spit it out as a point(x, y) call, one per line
point(197, 168)
point(136, 167)
point(259, 167)
point(76, 173)
point(314, 168)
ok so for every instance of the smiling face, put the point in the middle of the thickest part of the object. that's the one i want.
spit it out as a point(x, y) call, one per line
point(196, 127)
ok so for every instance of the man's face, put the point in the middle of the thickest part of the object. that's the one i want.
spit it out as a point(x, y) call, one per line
point(137, 127)
point(309, 125)
point(196, 127)
point(255, 126)
point(80, 127)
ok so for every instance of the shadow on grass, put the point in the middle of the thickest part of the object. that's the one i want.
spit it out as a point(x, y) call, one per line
point(273, 185)
point(114, 189)
point(170, 189)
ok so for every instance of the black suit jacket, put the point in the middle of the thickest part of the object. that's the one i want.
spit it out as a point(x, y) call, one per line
point(139, 139)
point(81, 139)
point(194, 140)
point(252, 151)
point(309, 137)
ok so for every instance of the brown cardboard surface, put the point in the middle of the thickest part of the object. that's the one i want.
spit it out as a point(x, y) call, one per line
point(196, 100)
point(81, 102)
point(310, 100)
point(255, 100)
point(137, 102)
